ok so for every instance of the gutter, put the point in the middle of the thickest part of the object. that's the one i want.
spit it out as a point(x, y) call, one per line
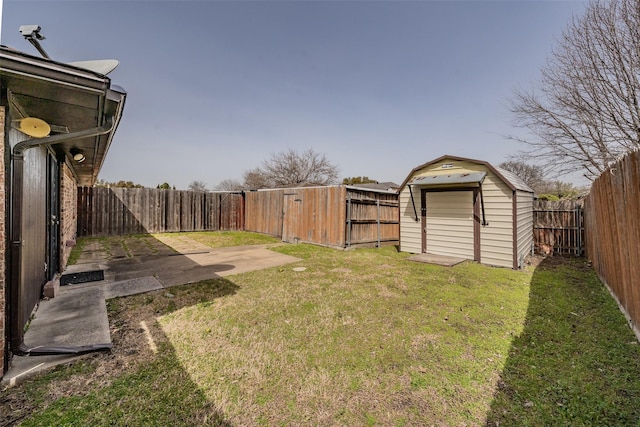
point(15, 295)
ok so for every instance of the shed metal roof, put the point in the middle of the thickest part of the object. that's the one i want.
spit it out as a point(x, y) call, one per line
point(512, 181)
point(473, 179)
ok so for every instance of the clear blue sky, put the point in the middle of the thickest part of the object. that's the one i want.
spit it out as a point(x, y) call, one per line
point(214, 88)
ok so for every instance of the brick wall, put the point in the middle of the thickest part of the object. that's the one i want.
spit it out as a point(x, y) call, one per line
point(3, 205)
point(68, 213)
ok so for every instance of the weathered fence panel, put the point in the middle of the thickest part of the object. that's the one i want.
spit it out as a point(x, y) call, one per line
point(334, 216)
point(372, 218)
point(612, 222)
point(117, 211)
point(265, 209)
point(558, 227)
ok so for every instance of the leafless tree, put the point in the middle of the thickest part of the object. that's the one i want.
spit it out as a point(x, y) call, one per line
point(255, 179)
point(197, 186)
point(585, 113)
point(229, 185)
point(292, 169)
point(532, 175)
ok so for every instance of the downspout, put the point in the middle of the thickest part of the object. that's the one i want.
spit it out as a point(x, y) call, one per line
point(17, 179)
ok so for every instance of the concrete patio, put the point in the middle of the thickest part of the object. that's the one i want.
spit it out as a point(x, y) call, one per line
point(77, 316)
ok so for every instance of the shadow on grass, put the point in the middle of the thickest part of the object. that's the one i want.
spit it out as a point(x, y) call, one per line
point(140, 382)
point(576, 361)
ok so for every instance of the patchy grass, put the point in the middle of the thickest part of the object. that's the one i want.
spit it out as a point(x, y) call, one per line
point(219, 239)
point(360, 337)
point(576, 362)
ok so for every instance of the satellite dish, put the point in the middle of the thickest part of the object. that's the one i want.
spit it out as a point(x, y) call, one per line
point(100, 66)
point(32, 126)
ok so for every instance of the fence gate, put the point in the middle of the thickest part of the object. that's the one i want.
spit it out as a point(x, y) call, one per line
point(558, 227)
point(291, 216)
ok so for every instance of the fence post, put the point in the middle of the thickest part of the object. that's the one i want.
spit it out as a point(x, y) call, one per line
point(348, 220)
point(378, 206)
point(579, 225)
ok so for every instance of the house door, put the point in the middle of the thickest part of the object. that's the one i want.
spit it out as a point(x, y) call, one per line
point(448, 223)
point(53, 217)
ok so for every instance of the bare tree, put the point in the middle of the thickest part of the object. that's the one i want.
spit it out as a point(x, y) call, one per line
point(197, 186)
point(585, 113)
point(255, 179)
point(229, 185)
point(532, 175)
point(292, 169)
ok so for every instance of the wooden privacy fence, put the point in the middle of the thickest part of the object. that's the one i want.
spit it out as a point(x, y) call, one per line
point(117, 211)
point(338, 216)
point(558, 227)
point(612, 222)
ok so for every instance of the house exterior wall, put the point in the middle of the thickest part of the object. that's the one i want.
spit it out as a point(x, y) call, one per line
point(68, 213)
point(496, 238)
point(3, 239)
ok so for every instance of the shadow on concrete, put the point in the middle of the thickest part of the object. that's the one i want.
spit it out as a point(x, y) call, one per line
point(576, 361)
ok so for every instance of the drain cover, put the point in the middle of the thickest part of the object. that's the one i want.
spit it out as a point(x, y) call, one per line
point(83, 277)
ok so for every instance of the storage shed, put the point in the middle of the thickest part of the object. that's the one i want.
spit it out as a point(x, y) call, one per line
point(469, 209)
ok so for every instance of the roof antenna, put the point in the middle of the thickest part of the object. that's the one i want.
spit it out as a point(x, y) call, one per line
point(32, 34)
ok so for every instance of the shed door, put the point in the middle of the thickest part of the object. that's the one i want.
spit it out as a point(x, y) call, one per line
point(449, 228)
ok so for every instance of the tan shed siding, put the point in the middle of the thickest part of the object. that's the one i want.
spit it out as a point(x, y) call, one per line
point(496, 239)
point(525, 223)
point(410, 234)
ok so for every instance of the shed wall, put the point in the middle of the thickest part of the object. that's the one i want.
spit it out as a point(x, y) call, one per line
point(525, 223)
point(496, 239)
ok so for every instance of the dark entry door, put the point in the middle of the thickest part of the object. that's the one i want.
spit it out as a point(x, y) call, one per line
point(53, 217)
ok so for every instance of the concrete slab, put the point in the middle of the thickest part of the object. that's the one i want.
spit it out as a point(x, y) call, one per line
point(444, 260)
point(77, 316)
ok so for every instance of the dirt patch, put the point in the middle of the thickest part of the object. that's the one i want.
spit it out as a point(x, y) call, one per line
point(94, 371)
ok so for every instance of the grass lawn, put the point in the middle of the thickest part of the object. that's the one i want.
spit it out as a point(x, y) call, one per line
point(361, 337)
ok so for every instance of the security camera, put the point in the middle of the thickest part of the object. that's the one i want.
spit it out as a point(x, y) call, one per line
point(31, 31)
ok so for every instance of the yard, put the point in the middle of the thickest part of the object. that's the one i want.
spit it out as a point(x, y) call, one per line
point(360, 337)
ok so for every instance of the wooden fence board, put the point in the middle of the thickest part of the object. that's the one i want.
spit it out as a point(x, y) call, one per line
point(117, 211)
point(558, 227)
point(612, 236)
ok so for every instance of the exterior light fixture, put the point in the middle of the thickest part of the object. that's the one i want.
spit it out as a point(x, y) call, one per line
point(77, 155)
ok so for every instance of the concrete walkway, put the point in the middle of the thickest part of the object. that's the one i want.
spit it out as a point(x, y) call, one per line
point(77, 315)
